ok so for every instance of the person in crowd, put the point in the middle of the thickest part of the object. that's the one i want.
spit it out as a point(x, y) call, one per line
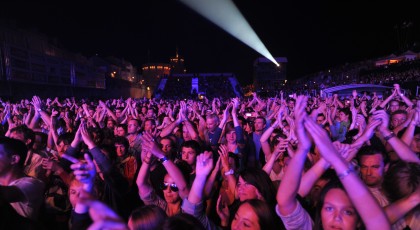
point(338, 208)
point(126, 163)
point(20, 195)
point(174, 184)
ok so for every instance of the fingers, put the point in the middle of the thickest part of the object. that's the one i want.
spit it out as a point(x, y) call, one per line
point(219, 202)
point(70, 158)
point(80, 166)
point(88, 159)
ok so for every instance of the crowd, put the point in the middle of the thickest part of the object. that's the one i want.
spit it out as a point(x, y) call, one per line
point(366, 72)
point(238, 163)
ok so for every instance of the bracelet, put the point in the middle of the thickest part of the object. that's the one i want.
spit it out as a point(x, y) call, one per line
point(347, 172)
point(39, 110)
point(163, 160)
point(230, 172)
point(389, 136)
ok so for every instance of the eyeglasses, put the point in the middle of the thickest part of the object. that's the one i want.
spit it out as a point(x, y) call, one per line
point(173, 187)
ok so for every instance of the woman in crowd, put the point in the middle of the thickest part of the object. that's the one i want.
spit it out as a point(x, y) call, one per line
point(346, 208)
point(174, 184)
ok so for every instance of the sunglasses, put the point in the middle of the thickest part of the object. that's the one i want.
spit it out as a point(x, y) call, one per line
point(173, 187)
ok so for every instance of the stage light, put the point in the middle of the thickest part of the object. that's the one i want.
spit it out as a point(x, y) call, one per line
point(226, 15)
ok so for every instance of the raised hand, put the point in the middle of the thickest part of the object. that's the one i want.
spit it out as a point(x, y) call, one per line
point(321, 139)
point(224, 157)
point(204, 164)
point(345, 150)
point(84, 171)
point(86, 136)
point(36, 102)
point(300, 118)
point(149, 144)
point(281, 147)
point(103, 217)
point(235, 103)
point(383, 117)
point(50, 164)
point(354, 94)
point(223, 211)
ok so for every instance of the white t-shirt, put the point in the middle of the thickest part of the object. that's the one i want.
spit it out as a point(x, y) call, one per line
point(33, 190)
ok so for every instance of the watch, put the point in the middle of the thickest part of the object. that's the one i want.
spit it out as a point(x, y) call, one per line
point(391, 135)
point(163, 159)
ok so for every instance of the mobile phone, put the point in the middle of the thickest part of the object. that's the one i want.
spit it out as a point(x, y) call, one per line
point(248, 114)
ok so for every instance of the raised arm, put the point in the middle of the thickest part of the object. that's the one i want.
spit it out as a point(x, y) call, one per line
point(108, 110)
point(229, 175)
point(400, 208)
point(402, 150)
point(169, 128)
point(278, 151)
point(407, 101)
point(388, 99)
point(204, 165)
point(143, 177)
point(286, 195)
point(149, 143)
point(372, 214)
point(311, 176)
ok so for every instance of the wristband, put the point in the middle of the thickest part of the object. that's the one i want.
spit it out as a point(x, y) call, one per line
point(230, 172)
point(347, 172)
point(389, 136)
point(163, 160)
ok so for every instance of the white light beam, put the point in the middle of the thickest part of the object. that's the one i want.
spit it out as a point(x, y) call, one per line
point(226, 15)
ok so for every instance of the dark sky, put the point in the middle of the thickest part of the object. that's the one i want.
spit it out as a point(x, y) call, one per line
point(312, 35)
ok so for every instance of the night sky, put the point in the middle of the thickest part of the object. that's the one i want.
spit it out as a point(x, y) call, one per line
point(312, 35)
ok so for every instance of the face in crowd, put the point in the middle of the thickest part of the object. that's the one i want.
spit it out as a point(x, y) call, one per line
point(338, 212)
point(133, 127)
point(259, 124)
point(372, 169)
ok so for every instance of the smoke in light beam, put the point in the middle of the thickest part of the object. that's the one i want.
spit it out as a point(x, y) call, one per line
point(225, 14)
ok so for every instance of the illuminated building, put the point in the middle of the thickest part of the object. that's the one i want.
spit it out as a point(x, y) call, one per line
point(177, 64)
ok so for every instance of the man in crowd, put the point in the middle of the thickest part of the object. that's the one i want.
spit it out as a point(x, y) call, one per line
point(18, 191)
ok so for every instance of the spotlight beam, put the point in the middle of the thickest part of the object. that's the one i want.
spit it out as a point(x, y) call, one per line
point(226, 15)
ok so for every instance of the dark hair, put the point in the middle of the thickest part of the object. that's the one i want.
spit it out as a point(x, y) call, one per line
point(261, 181)
point(148, 217)
point(333, 183)
point(124, 126)
point(186, 170)
point(372, 150)
point(191, 144)
point(152, 121)
point(28, 134)
point(262, 118)
point(14, 147)
point(182, 221)
point(400, 111)
point(401, 179)
point(66, 138)
point(109, 151)
point(264, 212)
point(44, 138)
point(346, 111)
point(229, 127)
point(137, 120)
point(122, 141)
point(172, 153)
